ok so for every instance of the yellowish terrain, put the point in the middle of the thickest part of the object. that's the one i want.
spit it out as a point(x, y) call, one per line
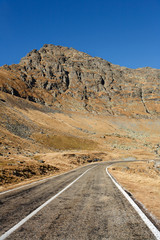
point(142, 180)
point(37, 142)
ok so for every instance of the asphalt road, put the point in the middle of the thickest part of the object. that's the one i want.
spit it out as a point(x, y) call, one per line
point(91, 208)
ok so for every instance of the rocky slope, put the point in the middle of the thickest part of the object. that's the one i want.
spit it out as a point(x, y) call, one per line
point(66, 79)
point(61, 108)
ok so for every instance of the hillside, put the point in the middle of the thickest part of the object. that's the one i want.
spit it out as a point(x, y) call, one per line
point(61, 108)
point(66, 79)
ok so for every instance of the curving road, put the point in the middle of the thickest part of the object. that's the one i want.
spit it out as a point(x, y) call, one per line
point(90, 208)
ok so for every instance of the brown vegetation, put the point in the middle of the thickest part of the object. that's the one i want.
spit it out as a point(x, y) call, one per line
point(142, 180)
point(29, 130)
point(60, 109)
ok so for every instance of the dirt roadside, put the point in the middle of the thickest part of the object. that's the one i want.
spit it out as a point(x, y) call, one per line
point(92, 208)
point(15, 173)
point(142, 180)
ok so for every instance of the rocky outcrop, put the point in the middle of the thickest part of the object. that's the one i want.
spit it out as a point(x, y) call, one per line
point(67, 79)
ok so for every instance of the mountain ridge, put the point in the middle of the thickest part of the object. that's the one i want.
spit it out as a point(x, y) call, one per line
point(67, 79)
point(61, 108)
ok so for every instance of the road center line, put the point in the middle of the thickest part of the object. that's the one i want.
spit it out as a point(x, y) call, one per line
point(15, 227)
point(149, 224)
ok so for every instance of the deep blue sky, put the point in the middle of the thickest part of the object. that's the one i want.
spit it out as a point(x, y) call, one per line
point(124, 32)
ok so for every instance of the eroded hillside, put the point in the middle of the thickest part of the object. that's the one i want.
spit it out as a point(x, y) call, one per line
point(67, 79)
point(35, 140)
point(61, 108)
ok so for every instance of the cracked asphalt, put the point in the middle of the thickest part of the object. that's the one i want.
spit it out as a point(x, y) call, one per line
point(92, 208)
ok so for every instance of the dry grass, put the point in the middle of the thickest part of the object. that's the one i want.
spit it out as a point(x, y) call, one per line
point(23, 170)
point(65, 142)
point(30, 130)
point(142, 179)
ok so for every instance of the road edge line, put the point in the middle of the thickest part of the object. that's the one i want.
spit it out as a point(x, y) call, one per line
point(15, 227)
point(149, 224)
point(41, 180)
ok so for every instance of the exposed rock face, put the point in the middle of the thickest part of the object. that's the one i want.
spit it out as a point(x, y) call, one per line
point(71, 80)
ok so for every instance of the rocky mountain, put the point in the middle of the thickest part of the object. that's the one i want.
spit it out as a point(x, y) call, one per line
point(61, 108)
point(66, 79)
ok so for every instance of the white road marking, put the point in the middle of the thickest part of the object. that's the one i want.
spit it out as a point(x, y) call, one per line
point(14, 189)
point(9, 232)
point(149, 224)
point(26, 185)
point(45, 179)
point(41, 180)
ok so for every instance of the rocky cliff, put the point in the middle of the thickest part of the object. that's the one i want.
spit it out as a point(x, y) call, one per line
point(61, 108)
point(64, 78)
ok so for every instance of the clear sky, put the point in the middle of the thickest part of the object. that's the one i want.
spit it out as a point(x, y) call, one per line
point(124, 32)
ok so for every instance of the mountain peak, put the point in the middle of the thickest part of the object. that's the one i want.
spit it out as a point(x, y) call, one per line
point(67, 79)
